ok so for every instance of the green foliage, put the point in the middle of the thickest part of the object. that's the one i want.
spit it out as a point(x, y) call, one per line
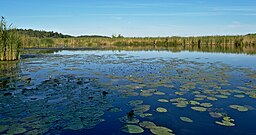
point(10, 42)
point(42, 34)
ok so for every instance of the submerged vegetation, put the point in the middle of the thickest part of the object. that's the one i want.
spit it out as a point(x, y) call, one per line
point(10, 42)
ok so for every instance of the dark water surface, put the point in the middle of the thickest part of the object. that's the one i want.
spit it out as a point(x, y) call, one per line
point(91, 92)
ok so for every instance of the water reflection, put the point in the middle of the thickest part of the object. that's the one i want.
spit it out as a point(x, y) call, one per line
point(196, 48)
point(9, 72)
point(68, 92)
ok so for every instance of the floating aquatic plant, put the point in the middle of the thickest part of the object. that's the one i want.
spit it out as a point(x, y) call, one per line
point(147, 124)
point(181, 104)
point(161, 110)
point(158, 130)
point(143, 115)
point(192, 102)
point(216, 114)
point(163, 100)
point(212, 98)
point(76, 125)
point(146, 94)
point(135, 102)
point(239, 108)
point(186, 119)
point(132, 129)
point(3, 128)
point(141, 109)
point(180, 93)
point(178, 99)
point(17, 130)
point(131, 120)
point(239, 96)
point(227, 121)
point(206, 105)
point(200, 109)
point(159, 93)
point(221, 96)
point(114, 109)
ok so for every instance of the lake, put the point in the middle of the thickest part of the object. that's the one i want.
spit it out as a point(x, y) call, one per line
point(123, 92)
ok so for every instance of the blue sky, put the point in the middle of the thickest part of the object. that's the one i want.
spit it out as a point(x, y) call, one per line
point(134, 18)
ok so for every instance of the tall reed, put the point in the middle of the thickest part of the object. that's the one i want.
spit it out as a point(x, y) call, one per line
point(10, 42)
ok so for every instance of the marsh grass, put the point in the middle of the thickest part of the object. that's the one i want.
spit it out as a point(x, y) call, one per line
point(10, 42)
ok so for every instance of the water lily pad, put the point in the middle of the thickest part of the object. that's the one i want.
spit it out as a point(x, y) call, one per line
point(135, 102)
point(146, 94)
point(159, 93)
point(17, 130)
point(114, 109)
point(239, 108)
point(161, 131)
point(221, 96)
point(3, 128)
point(200, 96)
point(75, 126)
point(143, 115)
point(252, 95)
point(141, 109)
point(216, 114)
point(239, 96)
point(178, 99)
point(132, 129)
point(163, 100)
point(200, 109)
point(192, 102)
point(147, 124)
point(181, 104)
point(212, 98)
point(33, 132)
point(161, 109)
point(186, 119)
point(127, 120)
point(206, 105)
point(227, 121)
point(180, 93)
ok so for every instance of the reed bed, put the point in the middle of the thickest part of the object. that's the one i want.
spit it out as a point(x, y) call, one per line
point(10, 42)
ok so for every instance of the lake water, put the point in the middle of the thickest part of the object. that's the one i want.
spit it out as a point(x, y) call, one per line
point(91, 92)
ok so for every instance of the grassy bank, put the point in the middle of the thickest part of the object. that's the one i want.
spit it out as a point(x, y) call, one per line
point(234, 44)
point(43, 39)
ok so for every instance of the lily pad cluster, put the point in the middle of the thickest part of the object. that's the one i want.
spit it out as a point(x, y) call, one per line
point(239, 108)
point(58, 101)
point(132, 129)
point(227, 121)
point(73, 92)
